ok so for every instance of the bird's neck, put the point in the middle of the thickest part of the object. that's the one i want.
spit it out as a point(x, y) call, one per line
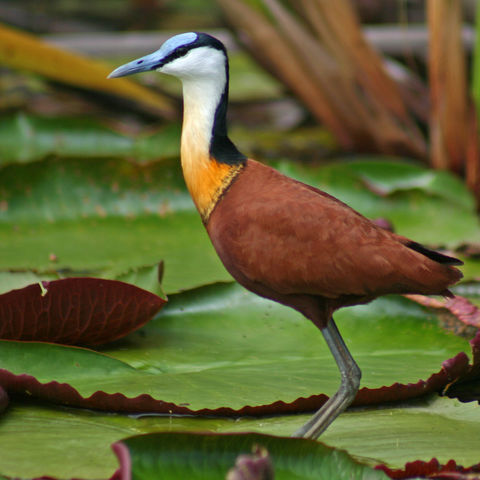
point(210, 161)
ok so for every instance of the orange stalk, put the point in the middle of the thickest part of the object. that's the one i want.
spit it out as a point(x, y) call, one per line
point(448, 85)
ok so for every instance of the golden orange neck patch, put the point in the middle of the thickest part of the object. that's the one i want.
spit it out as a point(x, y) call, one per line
point(206, 179)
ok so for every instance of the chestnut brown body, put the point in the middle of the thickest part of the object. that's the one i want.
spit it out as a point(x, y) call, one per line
point(299, 246)
point(280, 238)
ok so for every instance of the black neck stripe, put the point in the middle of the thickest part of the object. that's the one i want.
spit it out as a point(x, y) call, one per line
point(221, 147)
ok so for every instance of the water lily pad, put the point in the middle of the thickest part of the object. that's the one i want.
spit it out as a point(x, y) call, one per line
point(102, 218)
point(207, 353)
point(38, 440)
point(200, 456)
point(26, 138)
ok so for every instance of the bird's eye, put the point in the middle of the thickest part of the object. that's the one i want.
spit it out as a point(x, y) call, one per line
point(139, 62)
point(181, 51)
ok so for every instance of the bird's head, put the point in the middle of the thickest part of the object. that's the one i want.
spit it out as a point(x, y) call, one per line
point(188, 55)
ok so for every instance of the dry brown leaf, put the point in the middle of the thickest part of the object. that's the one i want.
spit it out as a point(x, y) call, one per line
point(272, 50)
point(472, 164)
point(25, 52)
point(327, 72)
point(389, 123)
point(465, 311)
point(335, 85)
point(448, 85)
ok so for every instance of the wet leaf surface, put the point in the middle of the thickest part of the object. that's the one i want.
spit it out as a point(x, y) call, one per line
point(27, 138)
point(124, 215)
point(206, 352)
point(127, 215)
point(198, 456)
point(65, 442)
point(216, 349)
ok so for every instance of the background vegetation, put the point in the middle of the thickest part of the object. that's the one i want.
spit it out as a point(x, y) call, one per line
point(374, 102)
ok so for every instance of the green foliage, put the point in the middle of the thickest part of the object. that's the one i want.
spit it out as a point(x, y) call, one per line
point(207, 349)
point(72, 203)
point(109, 215)
point(25, 138)
point(63, 442)
point(203, 456)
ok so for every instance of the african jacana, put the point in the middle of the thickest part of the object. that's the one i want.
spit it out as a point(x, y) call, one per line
point(280, 238)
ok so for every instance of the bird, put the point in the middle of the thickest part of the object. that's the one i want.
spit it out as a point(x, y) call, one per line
point(279, 238)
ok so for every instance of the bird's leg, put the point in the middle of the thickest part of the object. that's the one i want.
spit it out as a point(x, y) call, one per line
point(349, 386)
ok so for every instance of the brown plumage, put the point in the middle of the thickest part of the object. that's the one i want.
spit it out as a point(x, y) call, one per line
point(278, 237)
point(299, 246)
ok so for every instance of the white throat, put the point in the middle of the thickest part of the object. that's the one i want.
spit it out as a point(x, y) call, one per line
point(201, 97)
point(203, 75)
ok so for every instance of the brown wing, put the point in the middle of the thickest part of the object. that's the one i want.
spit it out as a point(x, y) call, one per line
point(293, 238)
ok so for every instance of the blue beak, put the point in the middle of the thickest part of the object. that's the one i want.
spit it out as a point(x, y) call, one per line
point(144, 64)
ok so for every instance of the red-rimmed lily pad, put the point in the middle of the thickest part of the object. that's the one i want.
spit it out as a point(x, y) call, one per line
point(222, 350)
point(44, 440)
point(87, 311)
point(434, 469)
point(3, 400)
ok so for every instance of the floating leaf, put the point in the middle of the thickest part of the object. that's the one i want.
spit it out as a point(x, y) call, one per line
point(463, 310)
point(3, 400)
point(433, 469)
point(148, 277)
point(16, 280)
point(206, 353)
point(26, 138)
point(392, 435)
point(386, 178)
point(200, 456)
point(38, 440)
point(75, 311)
point(124, 215)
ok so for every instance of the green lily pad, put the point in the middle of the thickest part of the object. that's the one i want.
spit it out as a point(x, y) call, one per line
point(422, 429)
point(148, 277)
point(38, 440)
point(101, 218)
point(68, 443)
point(15, 280)
point(200, 456)
point(220, 349)
point(393, 176)
point(26, 138)
point(471, 268)
point(94, 216)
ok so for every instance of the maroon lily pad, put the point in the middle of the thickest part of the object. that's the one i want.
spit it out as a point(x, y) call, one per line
point(85, 311)
point(192, 332)
point(454, 370)
point(464, 310)
point(433, 469)
point(3, 400)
